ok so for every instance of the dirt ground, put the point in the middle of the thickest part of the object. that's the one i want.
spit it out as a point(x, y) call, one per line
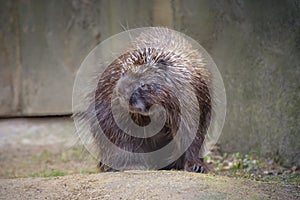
point(141, 185)
point(35, 166)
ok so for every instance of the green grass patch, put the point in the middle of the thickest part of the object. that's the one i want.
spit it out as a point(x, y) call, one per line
point(47, 173)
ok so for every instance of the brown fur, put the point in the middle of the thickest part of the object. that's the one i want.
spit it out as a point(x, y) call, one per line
point(183, 65)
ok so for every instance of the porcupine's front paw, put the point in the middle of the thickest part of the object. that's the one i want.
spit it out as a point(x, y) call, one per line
point(196, 168)
point(199, 169)
point(104, 168)
point(196, 165)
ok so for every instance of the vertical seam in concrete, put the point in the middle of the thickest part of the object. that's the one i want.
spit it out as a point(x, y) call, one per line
point(162, 13)
point(114, 7)
point(173, 12)
point(177, 17)
point(17, 86)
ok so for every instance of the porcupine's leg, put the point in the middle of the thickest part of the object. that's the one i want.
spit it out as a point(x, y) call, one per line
point(192, 160)
point(104, 168)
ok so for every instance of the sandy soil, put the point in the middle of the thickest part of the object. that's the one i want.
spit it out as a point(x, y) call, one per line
point(141, 185)
point(67, 176)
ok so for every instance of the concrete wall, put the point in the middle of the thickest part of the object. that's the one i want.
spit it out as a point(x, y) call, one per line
point(255, 44)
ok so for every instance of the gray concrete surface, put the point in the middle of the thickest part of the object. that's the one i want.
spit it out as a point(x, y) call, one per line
point(256, 46)
point(59, 132)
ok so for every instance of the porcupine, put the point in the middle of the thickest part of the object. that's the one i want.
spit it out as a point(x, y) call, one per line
point(158, 62)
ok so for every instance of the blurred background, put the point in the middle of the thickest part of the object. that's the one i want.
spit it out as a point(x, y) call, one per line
point(255, 44)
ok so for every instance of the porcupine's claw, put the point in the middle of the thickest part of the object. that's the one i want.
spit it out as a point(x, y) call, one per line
point(197, 166)
point(199, 169)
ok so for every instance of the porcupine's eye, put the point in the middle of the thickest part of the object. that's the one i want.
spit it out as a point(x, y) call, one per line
point(122, 74)
point(142, 85)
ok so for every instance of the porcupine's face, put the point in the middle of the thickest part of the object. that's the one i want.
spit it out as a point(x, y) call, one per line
point(141, 87)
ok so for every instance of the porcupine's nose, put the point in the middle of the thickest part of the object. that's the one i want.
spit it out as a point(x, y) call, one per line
point(137, 102)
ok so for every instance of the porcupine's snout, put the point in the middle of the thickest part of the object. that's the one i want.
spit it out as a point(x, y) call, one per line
point(133, 96)
point(137, 102)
